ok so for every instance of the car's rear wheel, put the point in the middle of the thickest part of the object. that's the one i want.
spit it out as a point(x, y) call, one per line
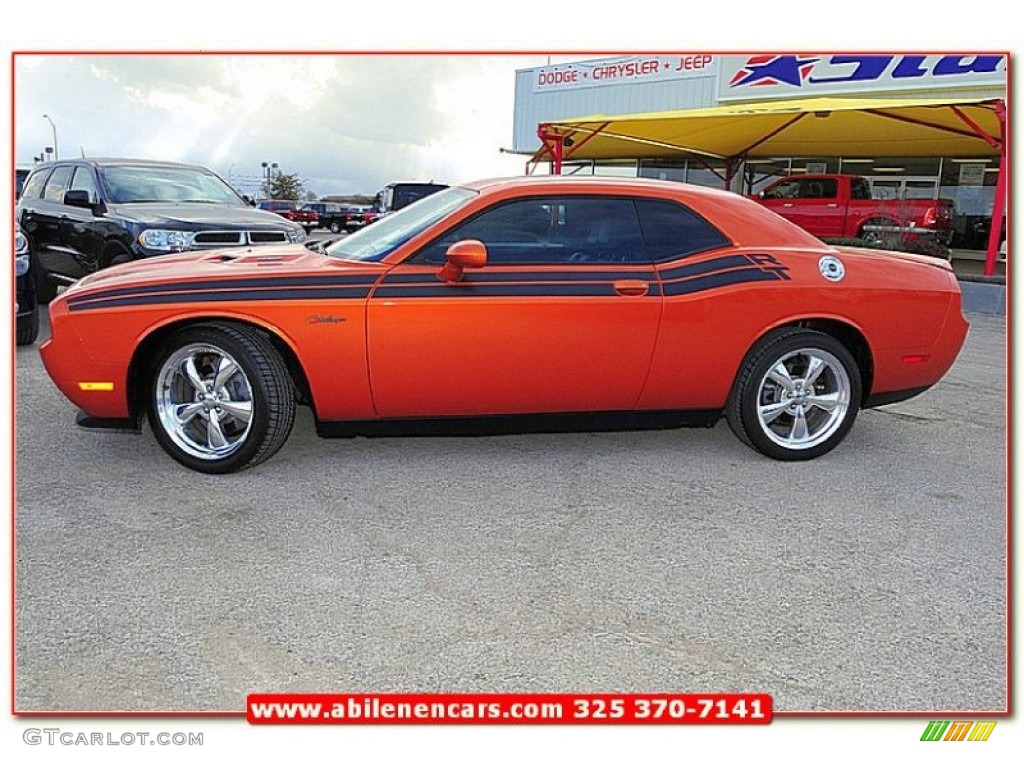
point(220, 398)
point(796, 396)
point(880, 233)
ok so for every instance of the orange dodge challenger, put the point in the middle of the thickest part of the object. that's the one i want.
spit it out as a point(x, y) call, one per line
point(506, 298)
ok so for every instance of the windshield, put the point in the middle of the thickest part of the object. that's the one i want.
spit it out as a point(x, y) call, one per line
point(388, 233)
point(159, 184)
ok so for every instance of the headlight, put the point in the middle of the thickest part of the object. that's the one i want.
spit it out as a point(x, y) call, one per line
point(166, 239)
point(20, 244)
point(297, 236)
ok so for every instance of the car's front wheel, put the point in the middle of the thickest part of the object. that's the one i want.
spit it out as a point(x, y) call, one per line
point(26, 328)
point(220, 398)
point(796, 396)
point(46, 288)
point(335, 228)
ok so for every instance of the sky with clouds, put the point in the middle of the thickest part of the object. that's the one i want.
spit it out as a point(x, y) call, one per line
point(345, 124)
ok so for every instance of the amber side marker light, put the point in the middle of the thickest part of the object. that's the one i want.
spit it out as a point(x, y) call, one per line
point(96, 386)
point(910, 359)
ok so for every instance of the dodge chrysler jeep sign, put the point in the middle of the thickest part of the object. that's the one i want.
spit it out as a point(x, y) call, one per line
point(624, 69)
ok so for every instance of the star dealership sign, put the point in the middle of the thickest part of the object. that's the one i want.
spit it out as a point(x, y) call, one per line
point(794, 75)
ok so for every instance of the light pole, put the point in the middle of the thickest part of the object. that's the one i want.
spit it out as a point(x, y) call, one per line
point(56, 151)
point(268, 173)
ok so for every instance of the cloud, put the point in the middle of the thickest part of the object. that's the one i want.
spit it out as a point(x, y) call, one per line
point(344, 123)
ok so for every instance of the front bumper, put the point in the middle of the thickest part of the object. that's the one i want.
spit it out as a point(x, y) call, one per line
point(98, 388)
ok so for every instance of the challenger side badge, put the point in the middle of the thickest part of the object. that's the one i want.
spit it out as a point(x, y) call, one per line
point(831, 268)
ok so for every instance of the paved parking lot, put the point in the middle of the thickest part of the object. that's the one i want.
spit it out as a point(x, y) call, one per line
point(678, 560)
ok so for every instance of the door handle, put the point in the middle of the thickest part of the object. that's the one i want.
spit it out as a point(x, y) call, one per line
point(787, 205)
point(833, 205)
point(631, 287)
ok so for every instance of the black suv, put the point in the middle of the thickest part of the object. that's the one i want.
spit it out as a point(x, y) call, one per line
point(26, 309)
point(84, 215)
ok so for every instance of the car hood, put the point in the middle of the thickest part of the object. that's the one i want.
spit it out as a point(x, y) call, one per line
point(192, 216)
point(265, 262)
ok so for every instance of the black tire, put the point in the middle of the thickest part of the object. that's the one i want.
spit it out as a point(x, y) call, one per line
point(879, 239)
point(791, 421)
point(46, 289)
point(26, 329)
point(335, 228)
point(308, 230)
point(212, 405)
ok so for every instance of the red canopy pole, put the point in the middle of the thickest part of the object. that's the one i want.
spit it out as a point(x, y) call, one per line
point(553, 143)
point(999, 203)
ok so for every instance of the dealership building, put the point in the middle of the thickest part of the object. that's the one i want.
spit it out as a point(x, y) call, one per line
point(915, 125)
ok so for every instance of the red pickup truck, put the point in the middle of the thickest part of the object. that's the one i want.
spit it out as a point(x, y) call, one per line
point(838, 205)
point(292, 210)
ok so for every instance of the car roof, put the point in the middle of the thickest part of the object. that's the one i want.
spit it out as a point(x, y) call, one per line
point(625, 184)
point(112, 161)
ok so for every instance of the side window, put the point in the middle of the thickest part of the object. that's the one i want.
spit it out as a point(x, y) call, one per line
point(817, 189)
point(83, 180)
point(550, 230)
point(860, 189)
point(57, 184)
point(34, 185)
point(785, 190)
point(671, 231)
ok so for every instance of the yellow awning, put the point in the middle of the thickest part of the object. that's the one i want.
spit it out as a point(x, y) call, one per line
point(819, 127)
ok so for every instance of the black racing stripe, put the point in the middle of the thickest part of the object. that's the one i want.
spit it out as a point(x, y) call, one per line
point(703, 267)
point(463, 289)
point(718, 280)
point(245, 282)
point(340, 292)
point(524, 277)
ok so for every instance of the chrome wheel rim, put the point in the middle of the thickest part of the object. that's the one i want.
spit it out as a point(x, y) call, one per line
point(803, 399)
point(204, 401)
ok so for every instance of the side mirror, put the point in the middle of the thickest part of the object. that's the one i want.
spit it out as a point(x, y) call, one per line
point(79, 198)
point(465, 254)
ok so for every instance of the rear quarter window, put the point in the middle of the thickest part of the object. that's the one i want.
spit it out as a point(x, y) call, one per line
point(671, 231)
point(34, 185)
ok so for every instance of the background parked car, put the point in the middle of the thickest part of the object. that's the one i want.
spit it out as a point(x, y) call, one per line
point(83, 215)
point(397, 195)
point(292, 210)
point(26, 308)
point(841, 205)
point(359, 216)
point(20, 174)
point(323, 211)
